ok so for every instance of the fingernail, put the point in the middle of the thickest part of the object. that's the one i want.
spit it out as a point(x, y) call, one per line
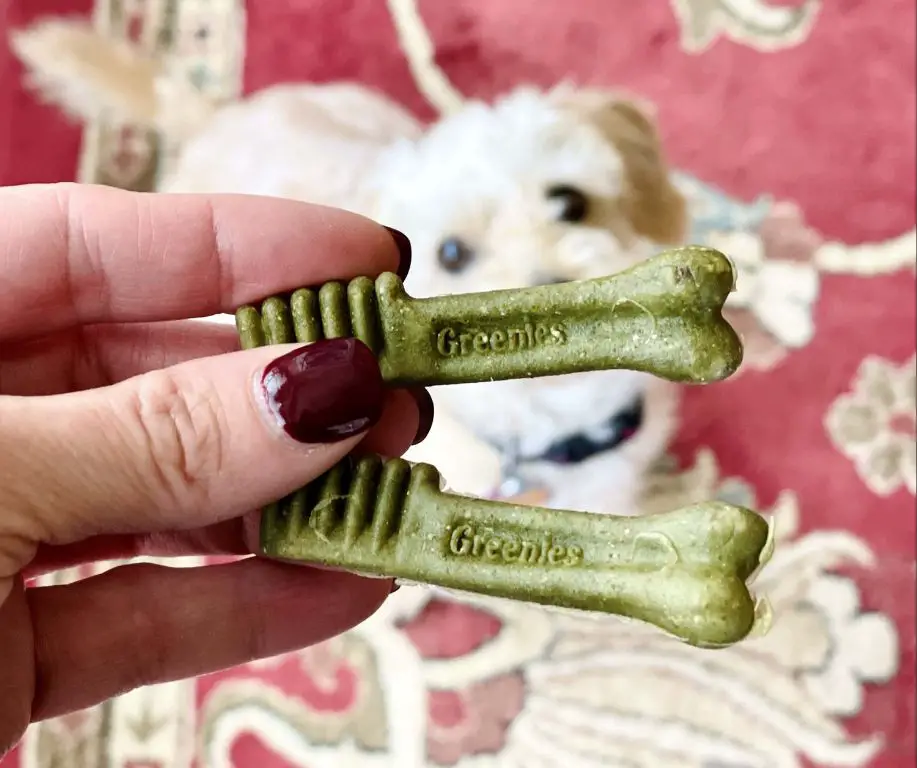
point(425, 409)
point(324, 392)
point(404, 251)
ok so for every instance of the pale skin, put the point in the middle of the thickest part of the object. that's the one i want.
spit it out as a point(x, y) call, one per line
point(96, 288)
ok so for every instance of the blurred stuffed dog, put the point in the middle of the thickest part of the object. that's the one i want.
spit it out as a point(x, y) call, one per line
point(538, 187)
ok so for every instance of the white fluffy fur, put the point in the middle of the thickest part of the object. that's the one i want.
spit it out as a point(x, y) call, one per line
point(479, 174)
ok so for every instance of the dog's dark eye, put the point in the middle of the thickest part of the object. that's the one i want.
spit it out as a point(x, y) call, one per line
point(454, 254)
point(571, 204)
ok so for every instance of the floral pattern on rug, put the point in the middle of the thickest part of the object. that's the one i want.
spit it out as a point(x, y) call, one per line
point(764, 25)
point(204, 38)
point(873, 425)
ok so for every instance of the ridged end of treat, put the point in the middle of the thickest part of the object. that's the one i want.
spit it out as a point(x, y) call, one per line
point(334, 310)
point(357, 505)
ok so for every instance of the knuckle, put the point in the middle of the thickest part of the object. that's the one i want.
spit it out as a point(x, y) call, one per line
point(181, 425)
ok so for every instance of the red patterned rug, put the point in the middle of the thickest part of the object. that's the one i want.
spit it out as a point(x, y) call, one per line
point(792, 123)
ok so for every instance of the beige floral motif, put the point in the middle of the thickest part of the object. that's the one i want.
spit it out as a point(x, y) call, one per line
point(873, 425)
point(362, 720)
point(756, 23)
point(71, 741)
point(211, 53)
point(869, 259)
point(839, 686)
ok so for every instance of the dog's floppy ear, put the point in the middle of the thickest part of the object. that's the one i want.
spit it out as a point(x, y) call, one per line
point(655, 208)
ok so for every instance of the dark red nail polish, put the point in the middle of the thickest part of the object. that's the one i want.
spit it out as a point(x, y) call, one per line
point(425, 408)
point(404, 251)
point(324, 392)
point(395, 587)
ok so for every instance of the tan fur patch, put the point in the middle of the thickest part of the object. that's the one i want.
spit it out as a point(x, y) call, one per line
point(652, 204)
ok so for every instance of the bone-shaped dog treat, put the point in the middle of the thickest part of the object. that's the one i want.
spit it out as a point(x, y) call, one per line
point(684, 571)
point(662, 316)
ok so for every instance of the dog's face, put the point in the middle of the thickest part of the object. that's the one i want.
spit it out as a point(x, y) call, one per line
point(539, 188)
point(536, 189)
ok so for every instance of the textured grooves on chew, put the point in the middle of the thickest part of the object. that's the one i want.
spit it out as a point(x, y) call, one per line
point(335, 310)
point(360, 500)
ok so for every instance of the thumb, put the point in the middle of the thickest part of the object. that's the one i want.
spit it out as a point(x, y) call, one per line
point(183, 447)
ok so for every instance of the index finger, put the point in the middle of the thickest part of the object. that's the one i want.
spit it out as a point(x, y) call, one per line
point(77, 254)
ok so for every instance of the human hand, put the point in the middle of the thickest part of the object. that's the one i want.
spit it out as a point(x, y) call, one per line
point(127, 429)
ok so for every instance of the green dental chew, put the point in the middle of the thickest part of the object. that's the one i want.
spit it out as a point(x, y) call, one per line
point(662, 317)
point(684, 571)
